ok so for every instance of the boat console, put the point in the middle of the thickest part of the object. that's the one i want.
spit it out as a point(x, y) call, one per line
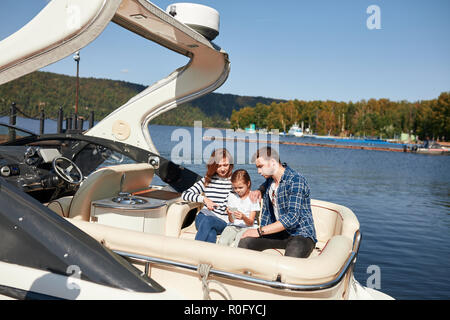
point(131, 212)
point(31, 169)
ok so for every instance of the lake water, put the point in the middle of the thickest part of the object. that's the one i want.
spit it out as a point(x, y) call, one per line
point(402, 201)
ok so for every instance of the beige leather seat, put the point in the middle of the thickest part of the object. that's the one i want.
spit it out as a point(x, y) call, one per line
point(176, 215)
point(328, 223)
point(102, 184)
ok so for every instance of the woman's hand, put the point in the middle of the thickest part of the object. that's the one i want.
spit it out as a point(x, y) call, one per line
point(209, 204)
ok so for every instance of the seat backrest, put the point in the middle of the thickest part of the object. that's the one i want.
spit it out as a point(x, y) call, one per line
point(106, 182)
point(331, 219)
point(176, 215)
point(327, 222)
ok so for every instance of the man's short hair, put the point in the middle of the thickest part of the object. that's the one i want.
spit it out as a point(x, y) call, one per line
point(267, 153)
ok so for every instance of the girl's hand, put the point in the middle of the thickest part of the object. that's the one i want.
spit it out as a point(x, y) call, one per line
point(230, 215)
point(238, 215)
point(209, 204)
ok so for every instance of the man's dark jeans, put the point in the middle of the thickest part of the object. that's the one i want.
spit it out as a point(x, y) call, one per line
point(295, 246)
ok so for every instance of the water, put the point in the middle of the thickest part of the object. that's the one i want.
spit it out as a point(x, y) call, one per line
point(401, 200)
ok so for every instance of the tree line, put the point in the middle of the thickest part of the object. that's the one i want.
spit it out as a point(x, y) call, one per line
point(381, 118)
point(375, 118)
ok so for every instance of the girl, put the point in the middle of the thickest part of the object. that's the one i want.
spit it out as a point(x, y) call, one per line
point(241, 210)
point(215, 187)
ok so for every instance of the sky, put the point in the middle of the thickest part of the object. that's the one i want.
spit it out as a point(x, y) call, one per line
point(288, 49)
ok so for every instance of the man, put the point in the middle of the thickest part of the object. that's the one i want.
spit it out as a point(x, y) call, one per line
point(286, 218)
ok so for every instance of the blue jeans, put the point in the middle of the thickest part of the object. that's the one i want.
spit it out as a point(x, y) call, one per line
point(208, 227)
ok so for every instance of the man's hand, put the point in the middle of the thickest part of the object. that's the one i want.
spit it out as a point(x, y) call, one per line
point(250, 233)
point(255, 196)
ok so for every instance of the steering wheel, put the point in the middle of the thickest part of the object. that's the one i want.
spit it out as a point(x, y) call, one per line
point(67, 170)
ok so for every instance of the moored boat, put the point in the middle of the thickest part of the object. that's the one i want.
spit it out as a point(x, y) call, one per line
point(295, 130)
point(434, 148)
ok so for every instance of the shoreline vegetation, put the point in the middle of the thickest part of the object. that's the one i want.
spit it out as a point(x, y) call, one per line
point(379, 118)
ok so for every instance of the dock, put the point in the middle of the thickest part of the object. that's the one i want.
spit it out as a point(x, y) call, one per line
point(326, 145)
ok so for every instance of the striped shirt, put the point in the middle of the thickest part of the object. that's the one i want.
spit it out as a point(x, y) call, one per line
point(217, 190)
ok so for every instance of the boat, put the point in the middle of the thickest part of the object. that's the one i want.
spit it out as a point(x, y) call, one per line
point(295, 130)
point(80, 215)
point(433, 148)
point(251, 128)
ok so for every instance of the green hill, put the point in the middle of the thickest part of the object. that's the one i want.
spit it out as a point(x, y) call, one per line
point(376, 118)
point(49, 91)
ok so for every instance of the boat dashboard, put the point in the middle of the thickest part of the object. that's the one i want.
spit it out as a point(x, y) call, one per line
point(54, 165)
point(32, 169)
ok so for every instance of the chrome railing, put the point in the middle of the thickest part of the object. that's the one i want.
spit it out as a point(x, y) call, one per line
point(348, 266)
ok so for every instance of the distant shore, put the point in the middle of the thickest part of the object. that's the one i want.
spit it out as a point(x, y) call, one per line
point(312, 144)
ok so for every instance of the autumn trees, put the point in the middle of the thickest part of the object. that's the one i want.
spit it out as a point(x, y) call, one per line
point(433, 117)
point(381, 118)
point(374, 117)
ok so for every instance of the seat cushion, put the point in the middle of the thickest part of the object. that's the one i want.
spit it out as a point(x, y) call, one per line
point(106, 182)
point(61, 206)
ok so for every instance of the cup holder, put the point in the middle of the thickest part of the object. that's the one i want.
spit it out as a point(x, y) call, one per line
point(129, 200)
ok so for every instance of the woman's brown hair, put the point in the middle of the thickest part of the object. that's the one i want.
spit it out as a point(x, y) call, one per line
point(213, 163)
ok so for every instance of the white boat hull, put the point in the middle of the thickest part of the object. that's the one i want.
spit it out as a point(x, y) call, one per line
point(359, 292)
point(38, 283)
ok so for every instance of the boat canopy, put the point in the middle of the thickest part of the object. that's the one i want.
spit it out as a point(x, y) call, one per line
point(65, 26)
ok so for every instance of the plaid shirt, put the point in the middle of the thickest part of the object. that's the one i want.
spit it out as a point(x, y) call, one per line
point(294, 205)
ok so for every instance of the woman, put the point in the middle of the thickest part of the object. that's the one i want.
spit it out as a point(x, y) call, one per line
point(212, 190)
